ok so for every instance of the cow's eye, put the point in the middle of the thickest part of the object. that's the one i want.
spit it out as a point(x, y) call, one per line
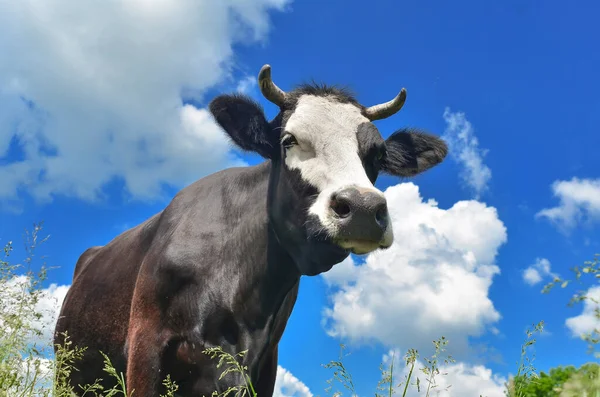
point(288, 141)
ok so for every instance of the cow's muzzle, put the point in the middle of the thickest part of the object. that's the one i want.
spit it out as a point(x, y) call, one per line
point(361, 219)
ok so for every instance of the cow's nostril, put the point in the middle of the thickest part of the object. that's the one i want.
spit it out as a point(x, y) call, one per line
point(340, 206)
point(381, 215)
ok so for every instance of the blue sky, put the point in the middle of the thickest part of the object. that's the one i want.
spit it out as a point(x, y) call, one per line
point(100, 127)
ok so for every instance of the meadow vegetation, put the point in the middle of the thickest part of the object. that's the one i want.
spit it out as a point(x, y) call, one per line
point(30, 368)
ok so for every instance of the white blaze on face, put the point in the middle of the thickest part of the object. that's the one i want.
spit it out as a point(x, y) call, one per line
point(327, 154)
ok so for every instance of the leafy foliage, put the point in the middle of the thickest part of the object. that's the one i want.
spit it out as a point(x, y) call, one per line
point(562, 381)
point(544, 385)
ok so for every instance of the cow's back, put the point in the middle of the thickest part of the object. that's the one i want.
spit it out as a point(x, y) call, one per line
point(95, 312)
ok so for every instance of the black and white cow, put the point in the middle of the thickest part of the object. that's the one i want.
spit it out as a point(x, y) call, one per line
point(221, 264)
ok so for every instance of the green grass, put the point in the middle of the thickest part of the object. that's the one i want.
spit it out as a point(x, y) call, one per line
point(25, 370)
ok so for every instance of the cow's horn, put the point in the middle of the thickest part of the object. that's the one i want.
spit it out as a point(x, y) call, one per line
point(384, 110)
point(268, 88)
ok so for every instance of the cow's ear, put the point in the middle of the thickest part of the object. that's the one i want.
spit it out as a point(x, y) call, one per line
point(244, 121)
point(412, 151)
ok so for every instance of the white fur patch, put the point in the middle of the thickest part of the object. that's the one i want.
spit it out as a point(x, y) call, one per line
point(327, 152)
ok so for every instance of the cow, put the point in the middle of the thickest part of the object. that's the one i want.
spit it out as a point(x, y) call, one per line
point(221, 264)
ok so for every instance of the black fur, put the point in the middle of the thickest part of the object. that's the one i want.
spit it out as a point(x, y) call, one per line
point(341, 94)
point(411, 151)
point(245, 123)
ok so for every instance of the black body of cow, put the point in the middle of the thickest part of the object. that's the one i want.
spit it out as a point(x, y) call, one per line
point(219, 266)
point(206, 271)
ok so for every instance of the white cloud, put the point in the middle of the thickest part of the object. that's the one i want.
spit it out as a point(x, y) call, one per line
point(287, 385)
point(47, 306)
point(578, 199)
point(464, 147)
point(587, 321)
point(92, 91)
point(246, 84)
point(531, 276)
point(433, 281)
point(454, 380)
point(535, 273)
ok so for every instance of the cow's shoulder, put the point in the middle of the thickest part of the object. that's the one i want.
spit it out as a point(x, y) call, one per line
point(213, 214)
point(221, 191)
point(209, 231)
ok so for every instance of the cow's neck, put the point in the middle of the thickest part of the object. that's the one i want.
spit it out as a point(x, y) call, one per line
point(270, 305)
point(268, 285)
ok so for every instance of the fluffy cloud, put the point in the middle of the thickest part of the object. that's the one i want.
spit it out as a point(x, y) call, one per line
point(287, 385)
point(433, 281)
point(587, 321)
point(246, 84)
point(92, 92)
point(579, 199)
point(535, 273)
point(464, 147)
point(47, 306)
point(454, 380)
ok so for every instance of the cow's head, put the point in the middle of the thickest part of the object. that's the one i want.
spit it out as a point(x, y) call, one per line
point(326, 154)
